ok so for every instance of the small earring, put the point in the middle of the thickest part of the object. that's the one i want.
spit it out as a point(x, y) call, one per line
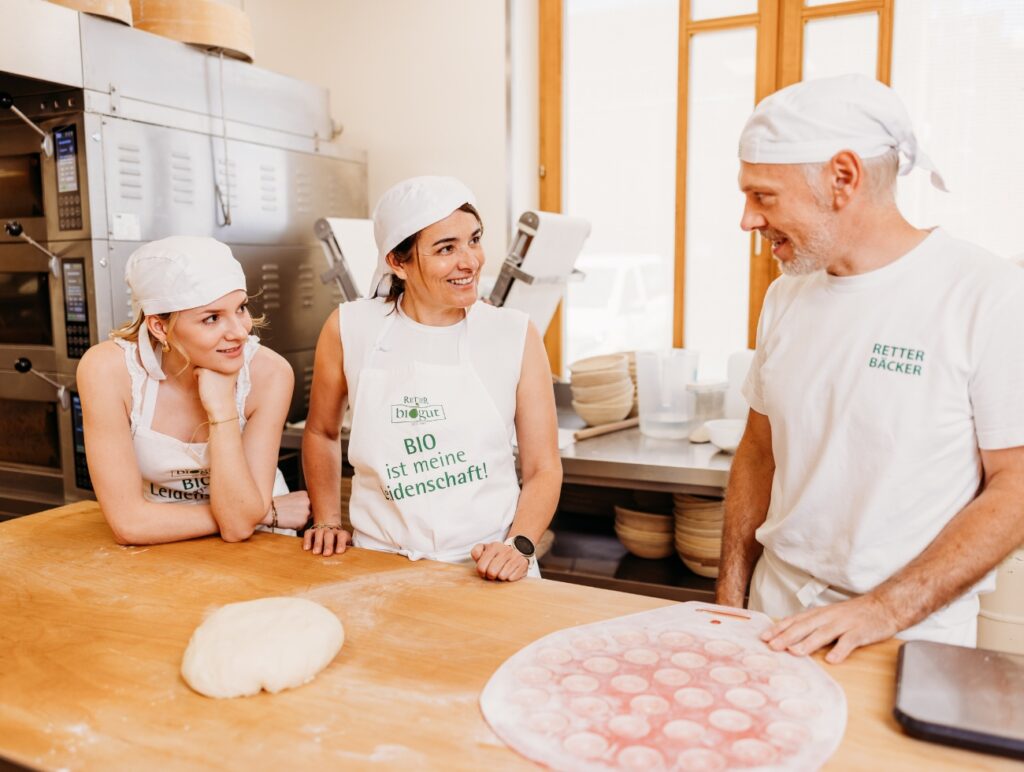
point(166, 346)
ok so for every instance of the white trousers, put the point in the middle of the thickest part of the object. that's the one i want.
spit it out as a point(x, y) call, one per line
point(781, 590)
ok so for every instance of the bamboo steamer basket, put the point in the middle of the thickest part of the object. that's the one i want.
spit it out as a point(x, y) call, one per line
point(604, 362)
point(701, 568)
point(203, 23)
point(118, 10)
point(645, 546)
point(643, 521)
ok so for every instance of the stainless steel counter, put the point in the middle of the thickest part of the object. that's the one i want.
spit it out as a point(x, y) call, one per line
point(626, 459)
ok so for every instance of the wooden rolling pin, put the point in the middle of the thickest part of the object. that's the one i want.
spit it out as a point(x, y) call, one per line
point(597, 431)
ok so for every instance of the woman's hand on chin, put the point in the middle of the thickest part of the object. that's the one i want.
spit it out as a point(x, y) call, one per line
point(499, 562)
point(216, 392)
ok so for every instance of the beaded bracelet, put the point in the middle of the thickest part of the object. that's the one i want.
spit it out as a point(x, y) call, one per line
point(327, 527)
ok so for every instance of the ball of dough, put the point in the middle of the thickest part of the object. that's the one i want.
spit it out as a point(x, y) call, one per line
point(270, 643)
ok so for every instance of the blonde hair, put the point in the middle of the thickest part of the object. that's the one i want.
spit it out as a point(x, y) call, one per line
point(130, 331)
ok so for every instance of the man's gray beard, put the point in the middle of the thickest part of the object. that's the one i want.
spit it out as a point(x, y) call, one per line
point(813, 257)
point(801, 265)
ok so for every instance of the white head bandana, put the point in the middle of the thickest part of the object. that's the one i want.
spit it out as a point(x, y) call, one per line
point(175, 274)
point(407, 208)
point(810, 122)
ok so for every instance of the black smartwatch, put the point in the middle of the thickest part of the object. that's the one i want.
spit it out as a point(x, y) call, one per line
point(523, 545)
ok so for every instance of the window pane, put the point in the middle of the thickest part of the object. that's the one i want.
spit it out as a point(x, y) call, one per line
point(958, 66)
point(721, 96)
point(716, 9)
point(841, 44)
point(619, 171)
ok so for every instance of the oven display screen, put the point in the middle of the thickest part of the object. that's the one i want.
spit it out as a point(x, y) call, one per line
point(74, 291)
point(67, 159)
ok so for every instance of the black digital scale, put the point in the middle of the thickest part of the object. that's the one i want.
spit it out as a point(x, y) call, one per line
point(973, 698)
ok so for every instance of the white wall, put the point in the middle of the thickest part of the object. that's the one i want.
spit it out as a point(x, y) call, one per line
point(419, 84)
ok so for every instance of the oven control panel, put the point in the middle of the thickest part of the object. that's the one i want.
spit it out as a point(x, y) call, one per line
point(76, 307)
point(82, 479)
point(69, 195)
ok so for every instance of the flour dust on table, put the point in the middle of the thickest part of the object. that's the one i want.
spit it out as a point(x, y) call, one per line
point(686, 687)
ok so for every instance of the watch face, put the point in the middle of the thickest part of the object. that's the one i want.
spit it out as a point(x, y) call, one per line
point(524, 545)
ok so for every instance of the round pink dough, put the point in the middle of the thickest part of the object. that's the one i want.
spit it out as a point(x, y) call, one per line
point(649, 704)
point(640, 757)
point(601, 665)
point(722, 648)
point(786, 734)
point(586, 745)
point(683, 730)
point(690, 660)
point(760, 662)
point(787, 683)
point(530, 697)
point(580, 683)
point(547, 722)
point(641, 656)
point(746, 698)
point(670, 676)
point(798, 707)
point(729, 720)
point(531, 675)
point(692, 697)
point(631, 684)
point(591, 707)
point(630, 637)
point(700, 760)
point(553, 656)
point(630, 727)
point(589, 643)
point(728, 675)
point(751, 751)
point(675, 639)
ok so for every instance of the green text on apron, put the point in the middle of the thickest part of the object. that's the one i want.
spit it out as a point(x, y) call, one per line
point(434, 470)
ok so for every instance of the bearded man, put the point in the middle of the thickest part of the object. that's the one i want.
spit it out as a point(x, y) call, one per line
point(881, 475)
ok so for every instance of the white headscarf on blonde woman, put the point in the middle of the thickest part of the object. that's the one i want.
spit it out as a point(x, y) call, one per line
point(175, 274)
point(407, 208)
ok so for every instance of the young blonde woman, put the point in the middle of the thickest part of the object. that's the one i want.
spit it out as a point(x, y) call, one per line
point(183, 409)
point(440, 384)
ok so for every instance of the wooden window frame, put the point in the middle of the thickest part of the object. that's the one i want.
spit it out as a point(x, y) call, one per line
point(780, 27)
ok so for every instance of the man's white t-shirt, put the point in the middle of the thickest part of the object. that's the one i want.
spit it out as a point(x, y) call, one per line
point(880, 389)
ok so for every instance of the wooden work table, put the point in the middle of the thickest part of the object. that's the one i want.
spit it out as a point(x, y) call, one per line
point(92, 636)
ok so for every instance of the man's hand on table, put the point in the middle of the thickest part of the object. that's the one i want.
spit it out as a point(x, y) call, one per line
point(499, 562)
point(325, 541)
point(851, 624)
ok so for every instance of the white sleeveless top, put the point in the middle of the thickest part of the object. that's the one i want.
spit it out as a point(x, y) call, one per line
point(496, 342)
point(172, 470)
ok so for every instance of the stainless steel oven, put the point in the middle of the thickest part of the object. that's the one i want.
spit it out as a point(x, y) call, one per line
point(155, 138)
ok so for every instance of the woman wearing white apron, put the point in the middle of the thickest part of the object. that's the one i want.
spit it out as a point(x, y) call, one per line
point(183, 409)
point(440, 384)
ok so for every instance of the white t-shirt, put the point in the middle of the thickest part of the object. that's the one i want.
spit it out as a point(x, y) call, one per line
point(880, 389)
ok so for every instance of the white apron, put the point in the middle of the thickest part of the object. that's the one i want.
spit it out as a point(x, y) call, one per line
point(434, 469)
point(781, 590)
point(173, 471)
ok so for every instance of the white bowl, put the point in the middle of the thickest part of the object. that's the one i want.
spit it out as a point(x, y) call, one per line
point(726, 433)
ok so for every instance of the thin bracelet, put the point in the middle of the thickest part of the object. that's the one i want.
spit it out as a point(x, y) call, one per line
point(273, 508)
point(223, 421)
point(327, 527)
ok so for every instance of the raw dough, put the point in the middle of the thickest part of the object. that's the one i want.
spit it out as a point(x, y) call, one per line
point(270, 643)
